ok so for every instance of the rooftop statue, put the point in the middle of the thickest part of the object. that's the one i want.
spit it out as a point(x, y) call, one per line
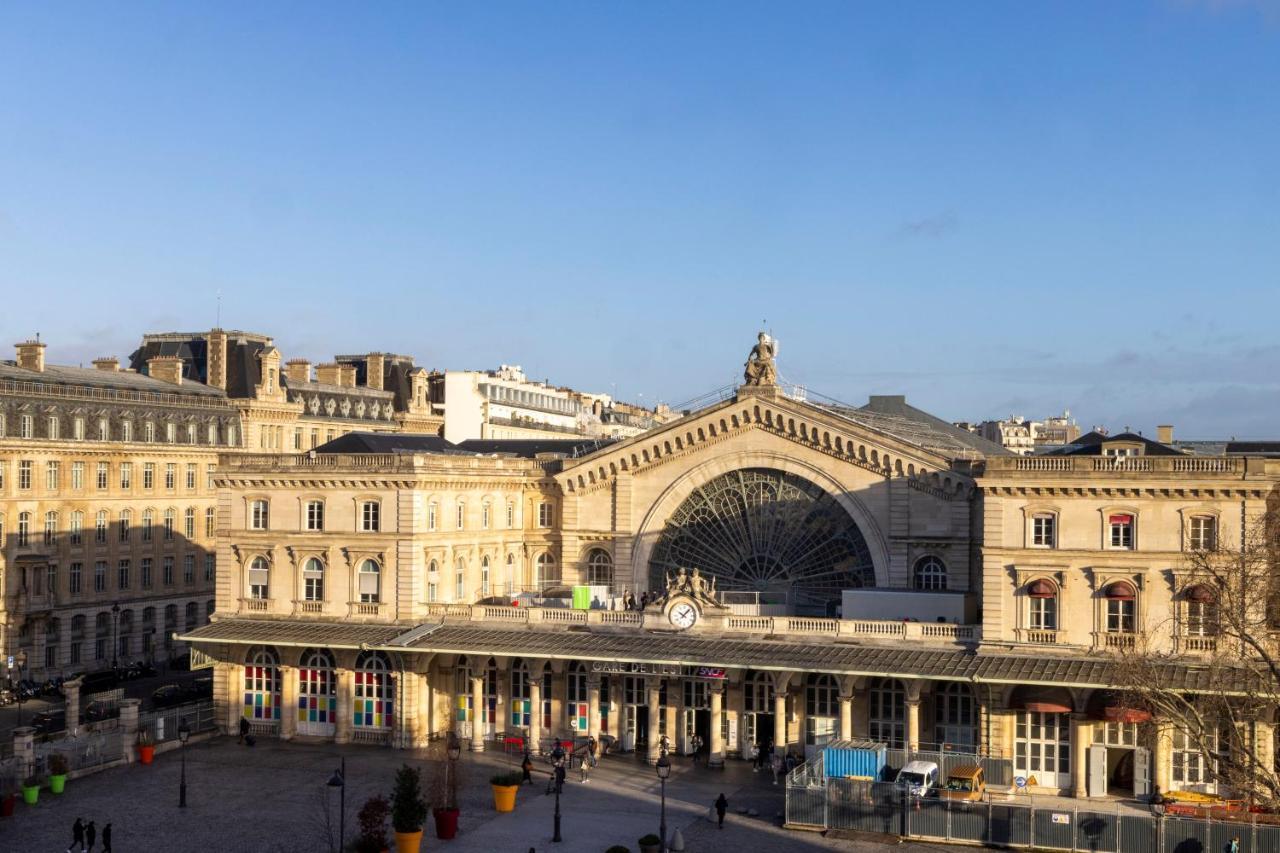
point(760, 369)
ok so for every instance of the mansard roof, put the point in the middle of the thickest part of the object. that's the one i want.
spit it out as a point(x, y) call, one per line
point(1092, 443)
point(386, 442)
point(91, 377)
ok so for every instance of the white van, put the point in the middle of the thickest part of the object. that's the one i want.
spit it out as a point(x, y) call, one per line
point(918, 778)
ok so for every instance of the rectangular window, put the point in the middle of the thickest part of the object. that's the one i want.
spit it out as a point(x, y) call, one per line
point(511, 515)
point(123, 575)
point(100, 527)
point(1120, 616)
point(75, 653)
point(77, 429)
point(462, 515)
point(484, 516)
point(171, 433)
point(52, 475)
point(297, 439)
point(74, 578)
point(100, 576)
point(53, 426)
point(126, 475)
point(170, 476)
point(433, 592)
point(167, 568)
point(77, 476)
point(77, 528)
point(148, 475)
point(210, 523)
point(3, 464)
point(104, 429)
point(1044, 614)
point(50, 527)
point(315, 438)
point(149, 432)
point(315, 515)
point(1043, 530)
point(432, 511)
point(210, 562)
point(1204, 533)
point(26, 426)
point(146, 572)
point(123, 527)
point(545, 515)
point(208, 476)
point(191, 433)
point(258, 515)
point(126, 430)
point(189, 523)
point(369, 516)
point(168, 524)
point(1121, 526)
point(24, 474)
point(104, 471)
point(191, 475)
point(189, 568)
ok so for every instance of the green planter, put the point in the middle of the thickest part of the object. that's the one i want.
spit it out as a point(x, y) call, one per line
point(58, 783)
point(30, 794)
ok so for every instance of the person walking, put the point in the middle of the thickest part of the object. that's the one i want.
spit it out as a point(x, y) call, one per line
point(1234, 847)
point(697, 748)
point(776, 766)
point(584, 768)
point(90, 835)
point(244, 729)
point(77, 835)
point(106, 838)
point(722, 806)
point(526, 767)
point(560, 778)
point(591, 750)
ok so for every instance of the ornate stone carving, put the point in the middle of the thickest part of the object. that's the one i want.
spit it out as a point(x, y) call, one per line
point(693, 585)
point(760, 368)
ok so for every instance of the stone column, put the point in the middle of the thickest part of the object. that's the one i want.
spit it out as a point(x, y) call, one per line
point(426, 711)
point(346, 705)
point(288, 702)
point(1081, 736)
point(593, 706)
point(716, 757)
point(232, 678)
point(846, 716)
point(1162, 757)
point(913, 724)
point(129, 728)
point(24, 749)
point(404, 713)
point(780, 722)
point(477, 713)
point(71, 690)
point(535, 713)
point(652, 754)
point(502, 707)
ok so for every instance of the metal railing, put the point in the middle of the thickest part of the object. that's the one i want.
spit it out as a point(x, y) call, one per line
point(163, 725)
point(1095, 464)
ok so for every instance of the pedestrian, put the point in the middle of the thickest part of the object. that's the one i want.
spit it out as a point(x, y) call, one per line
point(77, 835)
point(697, 748)
point(776, 766)
point(584, 769)
point(90, 834)
point(1235, 845)
point(106, 838)
point(559, 778)
point(722, 805)
point(244, 729)
point(591, 750)
point(526, 767)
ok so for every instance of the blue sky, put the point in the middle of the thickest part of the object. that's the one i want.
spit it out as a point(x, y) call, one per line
point(990, 207)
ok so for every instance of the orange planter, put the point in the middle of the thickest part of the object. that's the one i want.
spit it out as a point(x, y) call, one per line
point(408, 842)
point(146, 754)
point(504, 797)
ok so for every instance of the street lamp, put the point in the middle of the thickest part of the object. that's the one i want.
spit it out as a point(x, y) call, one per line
point(557, 761)
point(663, 767)
point(184, 733)
point(115, 630)
point(454, 749)
point(339, 780)
point(21, 660)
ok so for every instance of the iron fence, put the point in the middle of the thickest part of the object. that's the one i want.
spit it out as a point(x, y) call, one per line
point(163, 725)
point(849, 804)
point(998, 771)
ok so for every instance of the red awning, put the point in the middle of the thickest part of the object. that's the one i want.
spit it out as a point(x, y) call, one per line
point(1200, 594)
point(1042, 589)
point(1120, 714)
point(1110, 706)
point(1121, 591)
point(1122, 519)
point(1043, 700)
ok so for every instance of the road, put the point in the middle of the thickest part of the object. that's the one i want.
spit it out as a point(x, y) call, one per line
point(140, 688)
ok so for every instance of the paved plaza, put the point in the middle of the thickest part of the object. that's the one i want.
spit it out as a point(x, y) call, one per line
point(273, 799)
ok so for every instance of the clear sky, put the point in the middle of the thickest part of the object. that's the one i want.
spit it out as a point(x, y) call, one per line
point(990, 207)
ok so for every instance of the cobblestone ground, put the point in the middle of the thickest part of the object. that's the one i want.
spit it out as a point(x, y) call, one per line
point(273, 798)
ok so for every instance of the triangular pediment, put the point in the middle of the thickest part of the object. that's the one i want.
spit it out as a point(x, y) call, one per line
point(804, 424)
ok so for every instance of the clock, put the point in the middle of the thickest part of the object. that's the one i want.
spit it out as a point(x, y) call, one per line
point(683, 615)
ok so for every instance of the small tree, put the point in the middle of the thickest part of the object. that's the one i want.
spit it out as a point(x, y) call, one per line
point(408, 808)
point(373, 825)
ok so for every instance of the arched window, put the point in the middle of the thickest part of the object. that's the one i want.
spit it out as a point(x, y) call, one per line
point(1042, 606)
point(1121, 599)
point(822, 709)
point(460, 580)
point(208, 611)
point(317, 693)
point(313, 580)
point(929, 573)
point(577, 708)
point(193, 615)
point(262, 684)
point(259, 577)
point(484, 575)
point(126, 518)
point(521, 709)
point(189, 523)
point(375, 691)
point(956, 716)
point(600, 568)
point(24, 528)
point(370, 582)
point(757, 693)
point(888, 712)
point(148, 522)
point(210, 522)
point(50, 527)
point(1200, 609)
point(169, 517)
point(546, 574)
point(100, 527)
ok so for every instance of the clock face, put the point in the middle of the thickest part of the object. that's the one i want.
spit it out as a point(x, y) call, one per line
point(683, 615)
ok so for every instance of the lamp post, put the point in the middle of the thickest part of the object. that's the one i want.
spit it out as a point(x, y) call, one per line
point(557, 761)
point(663, 767)
point(454, 749)
point(184, 733)
point(339, 780)
point(21, 660)
point(115, 629)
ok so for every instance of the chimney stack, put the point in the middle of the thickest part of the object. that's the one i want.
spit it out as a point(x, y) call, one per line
point(31, 355)
point(297, 371)
point(328, 374)
point(347, 375)
point(216, 359)
point(1164, 434)
point(374, 367)
point(166, 368)
point(109, 363)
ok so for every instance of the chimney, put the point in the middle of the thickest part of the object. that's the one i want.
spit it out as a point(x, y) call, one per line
point(216, 359)
point(31, 355)
point(109, 363)
point(347, 375)
point(297, 371)
point(328, 374)
point(375, 366)
point(1164, 434)
point(166, 368)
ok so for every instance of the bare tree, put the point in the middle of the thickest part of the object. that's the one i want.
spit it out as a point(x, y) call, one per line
point(1224, 699)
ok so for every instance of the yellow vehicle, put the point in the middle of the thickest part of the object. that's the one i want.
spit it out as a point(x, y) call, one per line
point(964, 783)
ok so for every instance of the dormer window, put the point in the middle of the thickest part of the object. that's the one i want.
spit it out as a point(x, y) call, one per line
point(1120, 530)
point(1121, 451)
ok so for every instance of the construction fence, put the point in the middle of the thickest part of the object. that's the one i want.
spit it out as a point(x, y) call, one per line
point(879, 807)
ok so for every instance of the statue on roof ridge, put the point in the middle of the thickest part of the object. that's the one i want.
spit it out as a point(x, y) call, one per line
point(760, 368)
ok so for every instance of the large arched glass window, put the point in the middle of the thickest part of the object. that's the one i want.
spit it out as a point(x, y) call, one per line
point(259, 577)
point(600, 568)
point(262, 684)
point(375, 691)
point(757, 692)
point(822, 709)
point(930, 573)
point(370, 582)
point(576, 690)
point(955, 717)
point(317, 692)
point(888, 712)
point(521, 709)
point(546, 574)
point(313, 580)
point(192, 615)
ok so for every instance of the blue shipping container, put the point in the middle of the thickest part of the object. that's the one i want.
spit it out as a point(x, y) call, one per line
point(843, 758)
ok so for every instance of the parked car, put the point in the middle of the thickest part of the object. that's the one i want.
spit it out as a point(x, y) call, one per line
point(96, 711)
point(99, 682)
point(179, 694)
point(49, 721)
point(918, 778)
point(965, 782)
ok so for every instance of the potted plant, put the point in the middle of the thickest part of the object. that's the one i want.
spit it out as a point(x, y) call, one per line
point(31, 790)
point(57, 772)
point(504, 787)
point(7, 800)
point(408, 810)
point(444, 788)
point(373, 825)
point(146, 747)
point(650, 844)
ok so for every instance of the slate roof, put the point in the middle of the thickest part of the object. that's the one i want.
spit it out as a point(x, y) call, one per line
point(1090, 444)
point(91, 377)
point(1254, 448)
point(892, 414)
point(244, 370)
point(383, 442)
point(896, 659)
